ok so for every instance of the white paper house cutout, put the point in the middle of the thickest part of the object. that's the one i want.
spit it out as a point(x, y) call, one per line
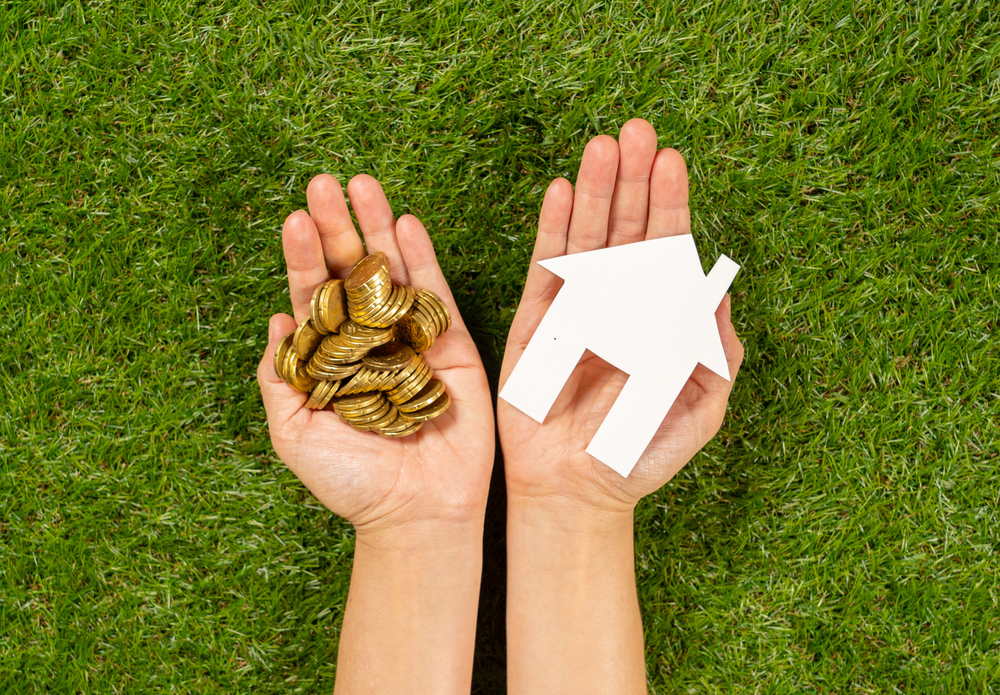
point(648, 309)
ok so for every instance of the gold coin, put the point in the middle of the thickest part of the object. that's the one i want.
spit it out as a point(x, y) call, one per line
point(356, 335)
point(422, 308)
point(369, 305)
point(440, 319)
point(358, 352)
point(379, 379)
point(408, 299)
point(409, 295)
point(399, 424)
point(362, 348)
point(298, 377)
point(424, 397)
point(287, 361)
point(411, 428)
point(412, 388)
point(368, 298)
point(355, 402)
point(383, 379)
point(368, 382)
point(389, 357)
point(321, 368)
point(409, 388)
point(397, 305)
point(321, 394)
point(372, 266)
point(366, 314)
point(370, 302)
point(371, 417)
point(328, 396)
point(347, 386)
point(438, 306)
point(356, 330)
point(387, 419)
point(314, 304)
point(431, 411)
point(374, 315)
point(336, 350)
point(333, 374)
point(413, 329)
point(426, 314)
point(338, 356)
point(377, 287)
point(404, 373)
point(321, 307)
point(361, 410)
point(306, 339)
point(363, 380)
point(284, 345)
point(334, 306)
point(396, 378)
point(314, 395)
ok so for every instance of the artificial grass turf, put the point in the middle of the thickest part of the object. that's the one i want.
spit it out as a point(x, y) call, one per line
point(839, 535)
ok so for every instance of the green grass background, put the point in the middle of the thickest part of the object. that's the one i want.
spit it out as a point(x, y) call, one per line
point(838, 536)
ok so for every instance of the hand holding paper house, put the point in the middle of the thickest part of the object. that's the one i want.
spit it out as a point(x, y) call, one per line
point(655, 287)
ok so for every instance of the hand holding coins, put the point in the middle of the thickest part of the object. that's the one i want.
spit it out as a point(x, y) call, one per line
point(358, 352)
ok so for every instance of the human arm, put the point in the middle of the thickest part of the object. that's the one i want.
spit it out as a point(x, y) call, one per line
point(572, 616)
point(410, 620)
point(417, 503)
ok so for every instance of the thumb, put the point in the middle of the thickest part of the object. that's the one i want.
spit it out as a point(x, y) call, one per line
point(281, 401)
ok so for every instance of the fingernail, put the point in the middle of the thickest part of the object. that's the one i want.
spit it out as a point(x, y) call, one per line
point(272, 329)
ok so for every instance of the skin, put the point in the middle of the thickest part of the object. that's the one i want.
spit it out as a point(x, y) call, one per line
point(573, 622)
point(573, 619)
point(417, 503)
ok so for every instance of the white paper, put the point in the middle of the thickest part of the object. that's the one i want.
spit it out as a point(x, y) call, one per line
point(648, 309)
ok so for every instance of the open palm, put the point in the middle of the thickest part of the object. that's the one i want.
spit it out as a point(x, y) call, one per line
point(440, 473)
point(625, 192)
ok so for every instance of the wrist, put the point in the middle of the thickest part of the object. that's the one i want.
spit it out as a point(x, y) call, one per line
point(588, 513)
point(578, 484)
point(560, 524)
point(423, 537)
point(410, 619)
point(573, 621)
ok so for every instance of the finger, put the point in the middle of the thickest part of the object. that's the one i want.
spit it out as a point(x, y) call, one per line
point(454, 356)
point(304, 258)
point(630, 204)
point(422, 264)
point(342, 246)
point(541, 286)
point(669, 214)
point(595, 186)
point(374, 214)
point(281, 401)
point(730, 341)
point(716, 387)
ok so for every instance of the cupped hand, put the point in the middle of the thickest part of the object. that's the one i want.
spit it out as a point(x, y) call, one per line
point(442, 472)
point(626, 191)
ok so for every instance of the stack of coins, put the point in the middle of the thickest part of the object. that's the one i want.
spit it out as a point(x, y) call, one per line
point(358, 351)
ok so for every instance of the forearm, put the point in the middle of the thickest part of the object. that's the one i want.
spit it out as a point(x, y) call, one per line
point(410, 621)
point(573, 623)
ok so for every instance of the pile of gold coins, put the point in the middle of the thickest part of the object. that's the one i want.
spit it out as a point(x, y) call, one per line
point(358, 352)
